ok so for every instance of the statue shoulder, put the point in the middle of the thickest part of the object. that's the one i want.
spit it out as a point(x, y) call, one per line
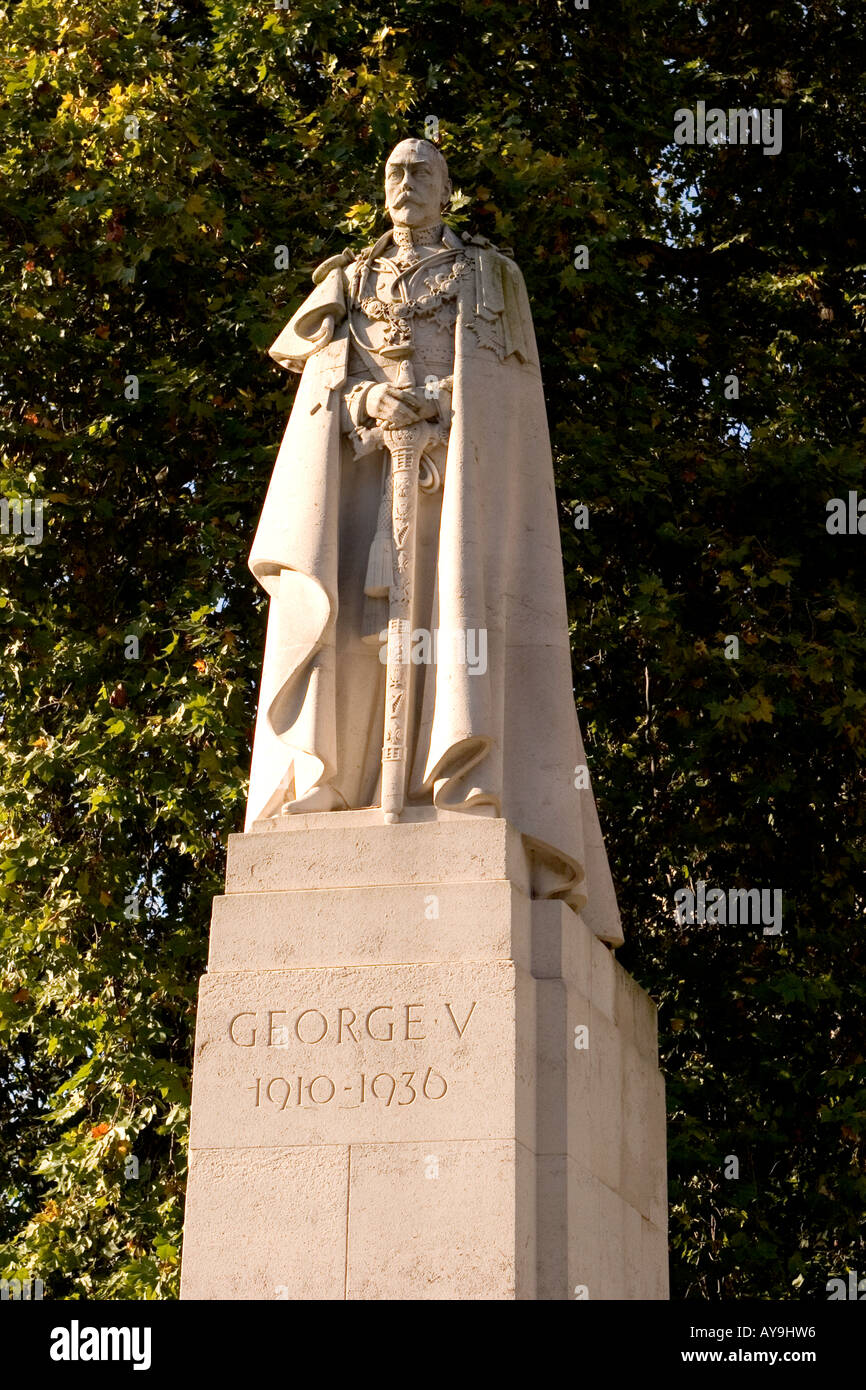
point(502, 295)
point(505, 253)
point(497, 267)
point(349, 258)
point(312, 326)
point(321, 272)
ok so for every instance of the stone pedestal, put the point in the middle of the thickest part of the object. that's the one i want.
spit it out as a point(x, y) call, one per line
point(413, 1081)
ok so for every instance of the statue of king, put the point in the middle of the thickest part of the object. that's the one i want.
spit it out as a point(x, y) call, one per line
point(417, 653)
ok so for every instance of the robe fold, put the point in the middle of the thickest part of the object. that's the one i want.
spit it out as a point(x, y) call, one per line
point(505, 741)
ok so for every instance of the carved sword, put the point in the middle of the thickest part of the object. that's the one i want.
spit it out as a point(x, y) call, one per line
point(405, 446)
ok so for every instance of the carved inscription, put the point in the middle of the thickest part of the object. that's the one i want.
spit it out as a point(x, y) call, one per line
point(383, 1023)
point(353, 1054)
point(309, 1092)
point(338, 1026)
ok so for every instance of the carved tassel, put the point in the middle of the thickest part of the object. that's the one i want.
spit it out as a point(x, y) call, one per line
point(378, 581)
point(377, 585)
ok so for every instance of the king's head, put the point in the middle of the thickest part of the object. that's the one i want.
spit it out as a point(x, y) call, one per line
point(417, 186)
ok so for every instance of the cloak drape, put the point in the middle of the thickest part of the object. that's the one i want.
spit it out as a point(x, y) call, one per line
point(509, 738)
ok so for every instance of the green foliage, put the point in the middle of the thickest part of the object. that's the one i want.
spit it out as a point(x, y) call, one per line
point(148, 251)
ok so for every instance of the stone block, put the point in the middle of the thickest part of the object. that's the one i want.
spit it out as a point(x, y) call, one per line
point(577, 949)
point(632, 1252)
point(561, 946)
point(638, 1091)
point(654, 1261)
point(447, 1220)
point(552, 1227)
point(656, 1149)
point(635, 1013)
point(413, 923)
point(610, 1263)
point(646, 1026)
point(585, 1234)
point(605, 1099)
point(387, 1098)
point(345, 1055)
point(548, 916)
point(268, 1224)
point(370, 855)
point(603, 981)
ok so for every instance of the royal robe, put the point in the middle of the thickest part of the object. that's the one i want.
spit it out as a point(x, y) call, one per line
point(506, 742)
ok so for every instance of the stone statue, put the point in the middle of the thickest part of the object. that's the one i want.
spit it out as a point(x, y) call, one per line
point(417, 652)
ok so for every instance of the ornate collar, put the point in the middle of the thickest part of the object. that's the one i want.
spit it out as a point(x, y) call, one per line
point(407, 237)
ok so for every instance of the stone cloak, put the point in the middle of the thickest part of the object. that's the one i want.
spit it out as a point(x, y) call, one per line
point(507, 740)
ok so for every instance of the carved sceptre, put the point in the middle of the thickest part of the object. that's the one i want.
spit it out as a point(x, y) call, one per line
point(405, 446)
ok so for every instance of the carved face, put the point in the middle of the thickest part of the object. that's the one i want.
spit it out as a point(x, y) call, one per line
point(417, 186)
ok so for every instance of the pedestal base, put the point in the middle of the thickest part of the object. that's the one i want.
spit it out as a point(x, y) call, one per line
point(413, 1081)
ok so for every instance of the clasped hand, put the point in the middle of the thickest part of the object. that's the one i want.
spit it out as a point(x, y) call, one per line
point(399, 405)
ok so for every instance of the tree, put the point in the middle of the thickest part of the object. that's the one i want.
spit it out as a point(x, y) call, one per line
point(171, 175)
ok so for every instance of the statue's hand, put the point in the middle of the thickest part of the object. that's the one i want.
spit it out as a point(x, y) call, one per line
point(396, 405)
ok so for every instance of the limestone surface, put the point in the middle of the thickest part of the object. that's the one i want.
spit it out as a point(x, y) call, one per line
point(416, 1089)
